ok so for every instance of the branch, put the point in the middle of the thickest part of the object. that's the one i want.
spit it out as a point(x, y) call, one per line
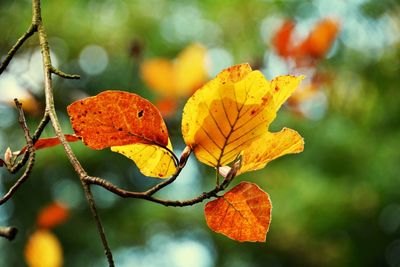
point(48, 69)
point(31, 157)
point(148, 195)
point(31, 30)
point(8, 232)
point(63, 74)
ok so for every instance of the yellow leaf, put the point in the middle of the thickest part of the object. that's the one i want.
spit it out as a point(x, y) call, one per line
point(43, 250)
point(177, 78)
point(190, 69)
point(152, 160)
point(282, 87)
point(269, 147)
point(158, 74)
point(232, 111)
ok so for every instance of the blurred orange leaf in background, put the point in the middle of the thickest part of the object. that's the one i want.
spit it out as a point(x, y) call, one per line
point(315, 46)
point(43, 250)
point(243, 213)
point(52, 215)
point(320, 39)
point(282, 40)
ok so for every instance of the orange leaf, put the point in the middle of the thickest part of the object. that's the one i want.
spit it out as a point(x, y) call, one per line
point(52, 215)
point(43, 250)
point(116, 118)
point(282, 39)
point(243, 213)
point(321, 38)
point(130, 125)
point(49, 142)
point(167, 107)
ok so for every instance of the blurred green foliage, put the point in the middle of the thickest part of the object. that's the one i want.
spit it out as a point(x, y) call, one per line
point(335, 204)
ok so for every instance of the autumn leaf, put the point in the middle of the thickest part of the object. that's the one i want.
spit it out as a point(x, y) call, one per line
point(43, 250)
point(179, 77)
point(282, 40)
point(52, 215)
point(315, 46)
point(269, 147)
point(320, 39)
point(224, 117)
point(152, 160)
point(167, 106)
point(49, 142)
point(243, 213)
point(116, 119)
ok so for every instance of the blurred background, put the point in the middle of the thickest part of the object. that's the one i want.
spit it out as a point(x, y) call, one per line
point(335, 204)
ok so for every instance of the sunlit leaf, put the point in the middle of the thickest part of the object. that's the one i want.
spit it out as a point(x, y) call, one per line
point(117, 119)
point(177, 78)
point(243, 213)
point(52, 215)
point(152, 160)
point(230, 112)
point(282, 87)
point(269, 147)
point(43, 250)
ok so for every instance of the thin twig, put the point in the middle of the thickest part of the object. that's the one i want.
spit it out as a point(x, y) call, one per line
point(31, 158)
point(144, 195)
point(38, 132)
point(148, 195)
point(95, 214)
point(31, 30)
point(63, 74)
point(8, 232)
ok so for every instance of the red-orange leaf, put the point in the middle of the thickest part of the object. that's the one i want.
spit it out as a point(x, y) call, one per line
point(320, 39)
point(282, 39)
point(116, 118)
point(243, 213)
point(50, 142)
point(52, 215)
